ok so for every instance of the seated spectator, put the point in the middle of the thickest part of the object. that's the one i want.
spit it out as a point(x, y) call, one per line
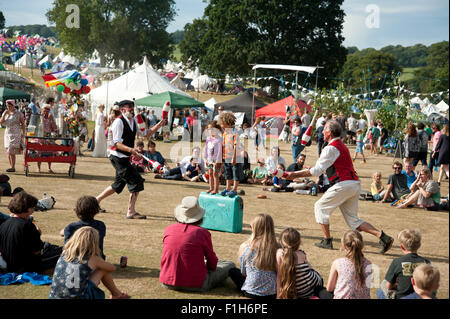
point(425, 282)
point(138, 162)
point(20, 239)
point(279, 183)
point(260, 174)
point(397, 186)
point(377, 187)
point(298, 165)
point(296, 279)
point(154, 155)
point(397, 282)
point(193, 171)
point(410, 173)
point(81, 256)
point(348, 275)
point(86, 209)
point(178, 172)
point(188, 259)
point(257, 277)
point(424, 192)
point(273, 160)
point(5, 187)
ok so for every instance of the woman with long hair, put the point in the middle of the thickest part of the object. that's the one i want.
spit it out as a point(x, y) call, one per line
point(295, 277)
point(441, 153)
point(411, 143)
point(349, 275)
point(257, 256)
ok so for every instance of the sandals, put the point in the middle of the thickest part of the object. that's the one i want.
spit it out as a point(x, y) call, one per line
point(136, 216)
point(11, 170)
point(123, 295)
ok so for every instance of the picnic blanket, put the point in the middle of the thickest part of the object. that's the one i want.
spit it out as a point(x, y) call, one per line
point(14, 278)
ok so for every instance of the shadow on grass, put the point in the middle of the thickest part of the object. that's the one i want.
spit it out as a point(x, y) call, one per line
point(132, 272)
point(199, 185)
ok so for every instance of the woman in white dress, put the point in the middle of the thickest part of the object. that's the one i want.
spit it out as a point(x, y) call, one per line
point(100, 138)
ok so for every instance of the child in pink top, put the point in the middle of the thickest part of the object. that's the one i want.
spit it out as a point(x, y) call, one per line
point(213, 155)
point(350, 276)
point(138, 163)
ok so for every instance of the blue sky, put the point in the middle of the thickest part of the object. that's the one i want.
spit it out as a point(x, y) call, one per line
point(404, 22)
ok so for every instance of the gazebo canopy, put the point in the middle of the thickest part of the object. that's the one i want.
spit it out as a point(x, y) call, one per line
point(177, 101)
point(10, 94)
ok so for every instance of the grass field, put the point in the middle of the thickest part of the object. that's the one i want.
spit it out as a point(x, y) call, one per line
point(141, 240)
point(408, 74)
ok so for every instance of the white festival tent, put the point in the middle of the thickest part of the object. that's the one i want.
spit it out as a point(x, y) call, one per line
point(178, 83)
point(202, 82)
point(24, 61)
point(442, 107)
point(46, 59)
point(210, 103)
point(135, 84)
point(71, 60)
point(59, 57)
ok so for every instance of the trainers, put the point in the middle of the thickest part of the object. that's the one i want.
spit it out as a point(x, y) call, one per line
point(224, 192)
point(386, 242)
point(326, 243)
point(231, 193)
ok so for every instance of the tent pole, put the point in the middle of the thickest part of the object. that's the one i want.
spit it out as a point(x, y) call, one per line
point(296, 88)
point(253, 98)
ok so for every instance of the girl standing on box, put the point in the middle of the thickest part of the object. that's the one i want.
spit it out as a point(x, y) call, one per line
point(257, 277)
point(295, 277)
point(81, 268)
point(213, 155)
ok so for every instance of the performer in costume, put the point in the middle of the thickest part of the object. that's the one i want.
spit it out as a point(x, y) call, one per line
point(124, 130)
point(335, 159)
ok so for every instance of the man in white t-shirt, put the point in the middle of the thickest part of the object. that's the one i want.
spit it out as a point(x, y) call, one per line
point(362, 123)
point(220, 110)
point(351, 129)
point(320, 120)
point(306, 119)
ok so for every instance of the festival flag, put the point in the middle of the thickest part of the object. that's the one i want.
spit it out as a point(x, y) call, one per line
point(307, 135)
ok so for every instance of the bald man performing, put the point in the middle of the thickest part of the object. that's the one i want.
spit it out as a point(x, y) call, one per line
point(345, 188)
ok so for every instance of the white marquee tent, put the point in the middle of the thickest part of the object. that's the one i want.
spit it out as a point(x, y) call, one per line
point(59, 57)
point(24, 61)
point(202, 82)
point(178, 83)
point(442, 107)
point(135, 84)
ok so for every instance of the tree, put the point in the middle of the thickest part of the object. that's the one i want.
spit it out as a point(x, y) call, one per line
point(118, 29)
point(234, 34)
point(2, 20)
point(369, 69)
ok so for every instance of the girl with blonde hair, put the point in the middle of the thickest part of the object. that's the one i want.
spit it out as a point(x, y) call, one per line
point(295, 277)
point(257, 256)
point(349, 276)
point(81, 268)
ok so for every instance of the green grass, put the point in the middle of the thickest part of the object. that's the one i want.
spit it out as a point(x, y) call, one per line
point(176, 53)
point(408, 74)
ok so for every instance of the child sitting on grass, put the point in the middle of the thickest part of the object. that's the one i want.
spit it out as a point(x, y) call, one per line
point(279, 183)
point(259, 174)
point(86, 208)
point(397, 282)
point(425, 282)
point(154, 155)
point(80, 269)
point(296, 279)
point(377, 187)
point(193, 171)
point(138, 163)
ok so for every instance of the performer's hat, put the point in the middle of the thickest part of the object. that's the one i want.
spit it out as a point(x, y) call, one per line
point(125, 102)
point(189, 211)
point(12, 102)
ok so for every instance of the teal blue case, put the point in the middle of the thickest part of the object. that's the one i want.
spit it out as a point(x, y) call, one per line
point(222, 212)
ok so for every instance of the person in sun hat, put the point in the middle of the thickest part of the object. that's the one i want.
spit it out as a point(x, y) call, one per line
point(186, 245)
point(124, 130)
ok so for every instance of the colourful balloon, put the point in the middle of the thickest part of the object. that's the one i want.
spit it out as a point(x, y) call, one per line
point(84, 82)
point(60, 88)
point(86, 89)
point(66, 90)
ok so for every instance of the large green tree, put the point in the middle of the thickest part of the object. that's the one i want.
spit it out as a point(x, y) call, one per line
point(369, 69)
point(434, 76)
point(234, 34)
point(117, 29)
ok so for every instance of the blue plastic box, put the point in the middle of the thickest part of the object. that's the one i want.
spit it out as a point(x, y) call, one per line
point(222, 212)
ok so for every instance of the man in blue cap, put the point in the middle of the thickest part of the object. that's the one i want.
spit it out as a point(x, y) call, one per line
point(124, 130)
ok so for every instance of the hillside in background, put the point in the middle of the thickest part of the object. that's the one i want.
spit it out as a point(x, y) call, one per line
point(33, 29)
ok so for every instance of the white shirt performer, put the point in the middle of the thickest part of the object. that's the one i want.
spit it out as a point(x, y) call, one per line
point(124, 130)
point(336, 161)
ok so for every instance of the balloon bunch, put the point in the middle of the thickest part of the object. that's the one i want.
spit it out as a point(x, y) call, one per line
point(68, 82)
point(23, 43)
